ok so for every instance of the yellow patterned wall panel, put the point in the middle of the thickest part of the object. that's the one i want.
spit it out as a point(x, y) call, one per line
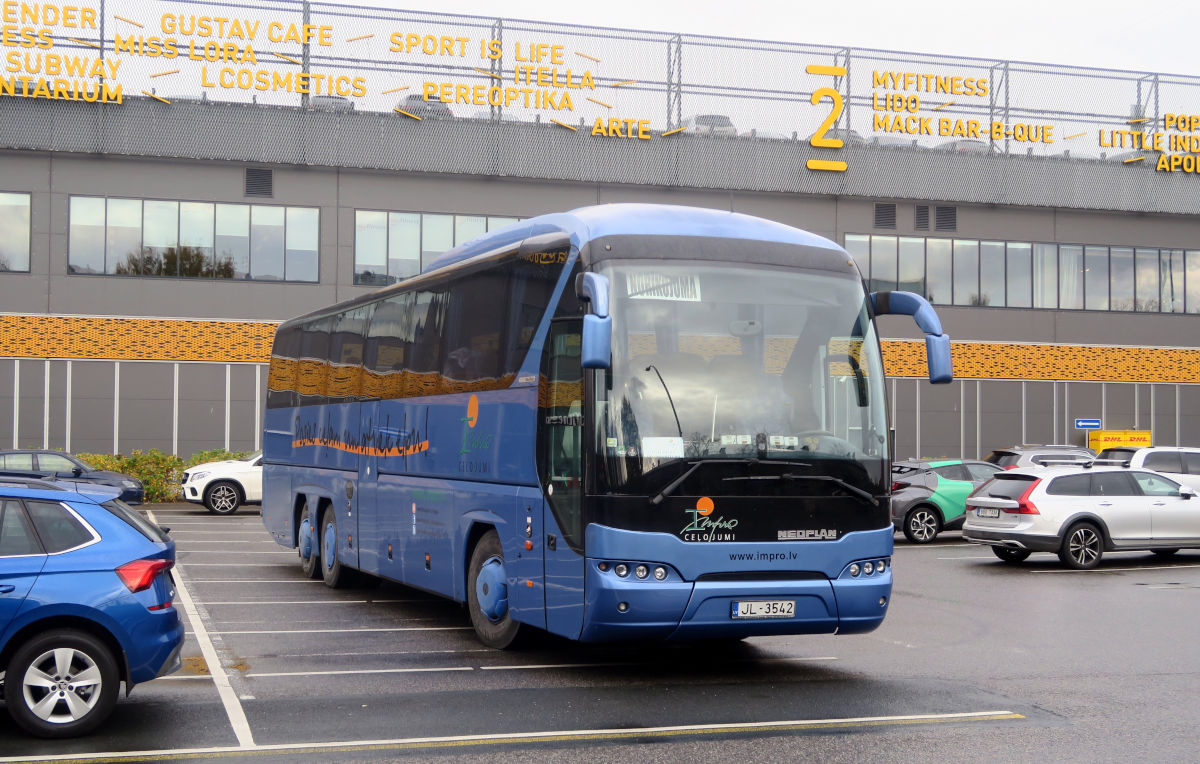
point(159, 339)
point(135, 339)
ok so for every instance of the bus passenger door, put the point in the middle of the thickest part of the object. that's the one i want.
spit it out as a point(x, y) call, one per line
point(560, 457)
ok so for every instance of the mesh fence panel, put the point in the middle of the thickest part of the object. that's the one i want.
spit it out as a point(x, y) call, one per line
point(220, 81)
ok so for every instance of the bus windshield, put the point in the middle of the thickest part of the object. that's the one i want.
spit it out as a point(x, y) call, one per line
point(735, 362)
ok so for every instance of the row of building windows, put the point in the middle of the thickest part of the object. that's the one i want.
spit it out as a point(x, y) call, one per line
point(120, 236)
point(136, 237)
point(1031, 275)
point(390, 246)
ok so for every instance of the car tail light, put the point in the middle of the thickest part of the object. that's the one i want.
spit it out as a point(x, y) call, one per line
point(140, 574)
point(1011, 467)
point(898, 485)
point(1024, 505)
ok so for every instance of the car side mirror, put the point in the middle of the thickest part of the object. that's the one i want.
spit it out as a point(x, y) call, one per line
point(1186, 492)
point(76, 471)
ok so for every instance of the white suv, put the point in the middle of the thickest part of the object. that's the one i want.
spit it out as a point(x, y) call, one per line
point(1082, 512)
point(223, 487)
point(1180, 464)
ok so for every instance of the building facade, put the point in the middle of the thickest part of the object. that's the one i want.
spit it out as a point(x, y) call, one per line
point(152, 236)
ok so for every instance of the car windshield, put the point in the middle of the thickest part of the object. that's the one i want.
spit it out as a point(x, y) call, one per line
point(1006, 486)
point(724, 361)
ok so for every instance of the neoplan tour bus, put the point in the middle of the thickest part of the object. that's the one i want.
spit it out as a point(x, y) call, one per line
point(627, 421)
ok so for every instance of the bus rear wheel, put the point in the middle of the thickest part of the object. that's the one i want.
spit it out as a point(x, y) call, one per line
point(307, 544)
point(335, 575)
point(487, 595)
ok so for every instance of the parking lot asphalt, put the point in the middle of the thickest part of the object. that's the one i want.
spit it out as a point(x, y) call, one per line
point(976, 661)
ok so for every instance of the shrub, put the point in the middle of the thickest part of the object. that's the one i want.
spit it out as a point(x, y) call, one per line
point(160, 473)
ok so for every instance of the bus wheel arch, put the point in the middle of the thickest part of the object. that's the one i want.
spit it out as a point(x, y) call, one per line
point(487, 598)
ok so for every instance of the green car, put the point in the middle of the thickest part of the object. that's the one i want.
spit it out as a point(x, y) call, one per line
point(929, 496)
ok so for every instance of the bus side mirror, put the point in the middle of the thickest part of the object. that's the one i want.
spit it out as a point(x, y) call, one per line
point(596, 344)
point(937, 343)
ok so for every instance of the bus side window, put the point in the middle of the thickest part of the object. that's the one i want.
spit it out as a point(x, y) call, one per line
point(387, 348)
point(312, 373)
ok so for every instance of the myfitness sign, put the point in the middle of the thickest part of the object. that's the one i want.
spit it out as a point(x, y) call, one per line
point(610, 84)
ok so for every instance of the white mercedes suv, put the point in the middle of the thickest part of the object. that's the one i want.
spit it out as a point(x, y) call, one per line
point(1082, 512)
point(225, 486)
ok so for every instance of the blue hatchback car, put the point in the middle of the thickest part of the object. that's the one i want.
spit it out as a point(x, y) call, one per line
point(85, 604)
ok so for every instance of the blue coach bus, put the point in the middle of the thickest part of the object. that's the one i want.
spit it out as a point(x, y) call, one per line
point(627, 421)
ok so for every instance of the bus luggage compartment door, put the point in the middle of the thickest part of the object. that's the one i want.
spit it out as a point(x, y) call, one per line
point(809, 604)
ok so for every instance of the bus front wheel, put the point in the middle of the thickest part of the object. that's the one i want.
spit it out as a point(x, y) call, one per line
point(487, 595)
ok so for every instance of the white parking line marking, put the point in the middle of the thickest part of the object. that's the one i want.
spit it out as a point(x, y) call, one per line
point(351, 631)
point(558, 735)
point(233, 708)
point(313, 602)
point(1116, 570)
point(241, 581)
point(239, 565)
point(177, 678)
point(973, 557)
point(434, 669)
point(230, 541)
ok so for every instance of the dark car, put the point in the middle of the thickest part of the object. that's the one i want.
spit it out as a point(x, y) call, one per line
point(929, 497)
point(418, 106)
point(58, 466)
point(85, 605)
point(1020, 457)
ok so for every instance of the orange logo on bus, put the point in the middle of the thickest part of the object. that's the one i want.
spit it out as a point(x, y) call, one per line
point(472, 411)
point(705, 506)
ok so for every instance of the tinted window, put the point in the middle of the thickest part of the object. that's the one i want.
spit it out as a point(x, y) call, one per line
point(1008, 486)
point(1119, 454)
point(58, 528)
point(55, 463)
point(1155, 485)
point(1163, 461)
point(135, 520)
point(1193, 462)
point(952, 472)
point(1071, 485)
point(981, 471)
point(16, 536)
point(17, 462)
point(1114, 484)
point(1002, 458)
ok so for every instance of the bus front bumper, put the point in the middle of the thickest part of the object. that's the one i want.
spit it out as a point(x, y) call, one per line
point(629, 609)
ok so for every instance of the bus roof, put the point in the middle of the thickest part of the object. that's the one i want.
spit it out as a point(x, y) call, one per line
point(587, 223)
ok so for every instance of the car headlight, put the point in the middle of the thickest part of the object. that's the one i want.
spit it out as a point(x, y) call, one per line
point(129, 484)
point(197, 475)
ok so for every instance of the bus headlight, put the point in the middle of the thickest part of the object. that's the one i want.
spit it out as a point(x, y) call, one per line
point(854, 569)
point(641, 571)
point(660, 573)
point(881, 566)
point(621, 569)
point(868, 568)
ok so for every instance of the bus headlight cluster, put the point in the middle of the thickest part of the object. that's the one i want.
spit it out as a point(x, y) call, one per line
point(868, 568)
point(639, 570)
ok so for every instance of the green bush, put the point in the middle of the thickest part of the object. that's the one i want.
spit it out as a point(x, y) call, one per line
point(160, 473)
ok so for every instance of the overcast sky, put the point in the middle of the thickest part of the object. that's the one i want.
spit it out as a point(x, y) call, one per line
point(1154, 37)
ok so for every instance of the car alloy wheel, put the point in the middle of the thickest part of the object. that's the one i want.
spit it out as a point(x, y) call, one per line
point(922, 525)
point(1082, 548)
point(223, 498)
point(61, 684)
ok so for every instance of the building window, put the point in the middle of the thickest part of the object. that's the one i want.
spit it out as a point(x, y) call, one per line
point(392, 246)
point(151, 237)
point(1018, 274)
point(15, 234)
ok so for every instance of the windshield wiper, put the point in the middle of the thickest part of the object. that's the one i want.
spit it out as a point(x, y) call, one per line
point(851, 489)
point(675, 483)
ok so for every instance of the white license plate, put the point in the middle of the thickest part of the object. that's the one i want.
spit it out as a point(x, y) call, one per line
point(763, 609)
point(988, 511)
